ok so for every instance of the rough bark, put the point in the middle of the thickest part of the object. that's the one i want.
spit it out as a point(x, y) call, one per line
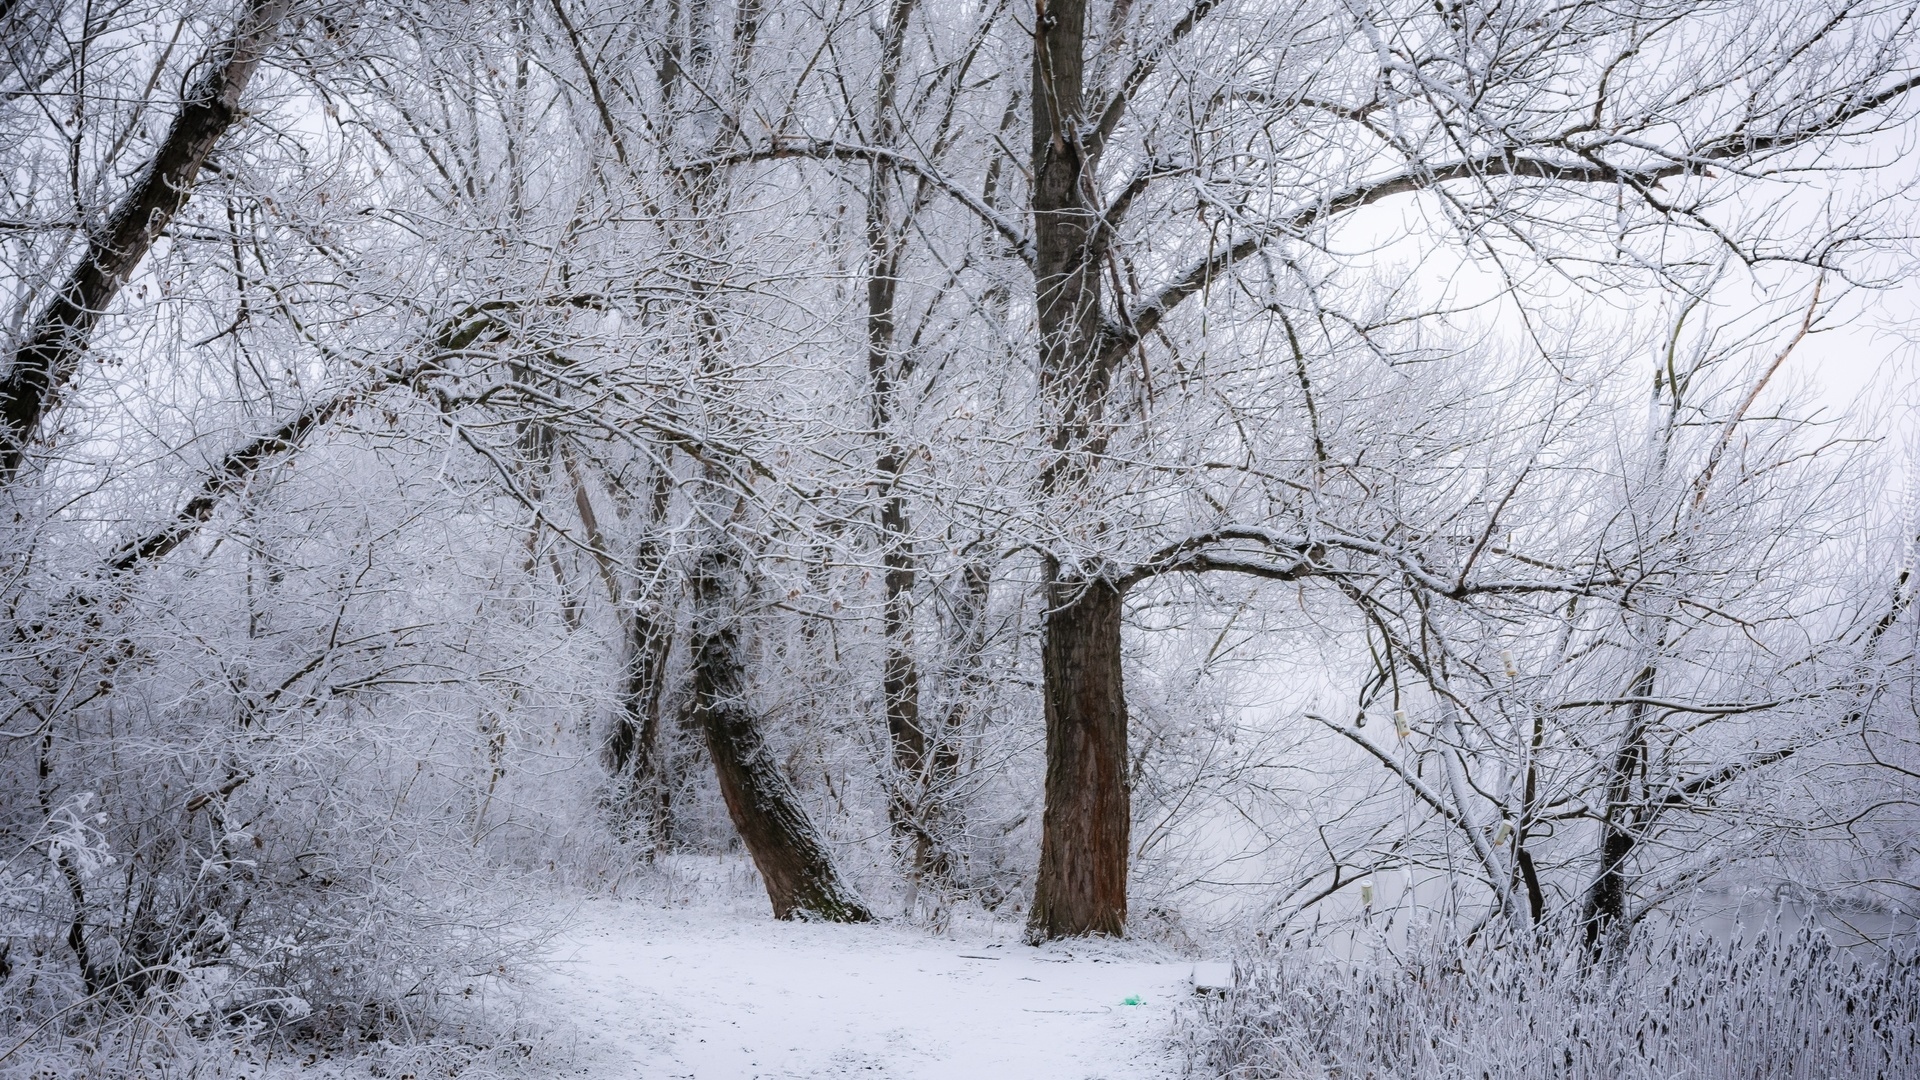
point(1082, 886)
point(1068, 246)
point(43, 364)
point(788, 850)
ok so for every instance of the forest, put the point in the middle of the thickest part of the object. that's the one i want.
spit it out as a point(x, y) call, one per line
point(1412, 499)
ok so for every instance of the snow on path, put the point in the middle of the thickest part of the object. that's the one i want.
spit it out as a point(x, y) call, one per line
point(668, 994)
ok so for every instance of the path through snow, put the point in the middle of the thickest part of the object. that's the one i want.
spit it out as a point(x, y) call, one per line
point(667, 994)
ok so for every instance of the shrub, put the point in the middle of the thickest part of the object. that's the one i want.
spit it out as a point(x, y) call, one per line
point(1769, 1005)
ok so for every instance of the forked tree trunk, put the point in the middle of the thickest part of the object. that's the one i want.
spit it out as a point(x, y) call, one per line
point(1082, 887)
point(787, 849)
point(789, 852)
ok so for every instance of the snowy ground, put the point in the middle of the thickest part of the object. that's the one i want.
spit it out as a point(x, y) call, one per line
point(713, 993)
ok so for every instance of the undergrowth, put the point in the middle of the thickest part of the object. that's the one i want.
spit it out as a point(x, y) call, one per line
point(1769, 1005)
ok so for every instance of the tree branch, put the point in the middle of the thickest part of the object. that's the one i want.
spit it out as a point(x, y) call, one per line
point(1142, 70)
point(780, 148)
point(42, 366)
point(1192, 555)
point(1509, 163)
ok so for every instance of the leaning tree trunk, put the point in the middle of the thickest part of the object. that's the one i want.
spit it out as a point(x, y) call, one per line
point(789, 852)
point(1082, 888)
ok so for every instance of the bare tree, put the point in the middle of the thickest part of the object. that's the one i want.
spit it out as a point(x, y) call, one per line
point(1373, 106)
point(1582, 748)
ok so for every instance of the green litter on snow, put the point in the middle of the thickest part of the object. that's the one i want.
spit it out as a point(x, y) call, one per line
point(1133, 999)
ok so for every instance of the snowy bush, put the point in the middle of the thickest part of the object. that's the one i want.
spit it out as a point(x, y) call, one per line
point(291, 800)
point(1770, 1005)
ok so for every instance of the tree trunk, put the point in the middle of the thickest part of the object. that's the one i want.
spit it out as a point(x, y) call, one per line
point(636, 750)
point(42, 365)
point(636, 753)
point(1606, 903)
point(1604, 914)
point(900, 673)
point(1082, 887)
point(789, 852)
point(963, 675)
